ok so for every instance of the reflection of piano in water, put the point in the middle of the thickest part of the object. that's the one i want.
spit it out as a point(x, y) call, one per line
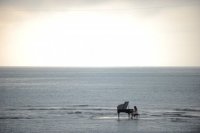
point(124, 108)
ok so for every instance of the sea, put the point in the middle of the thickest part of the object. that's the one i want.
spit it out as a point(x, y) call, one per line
point(84, 100)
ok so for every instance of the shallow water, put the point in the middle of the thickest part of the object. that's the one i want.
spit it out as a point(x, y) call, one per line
point(85, 99)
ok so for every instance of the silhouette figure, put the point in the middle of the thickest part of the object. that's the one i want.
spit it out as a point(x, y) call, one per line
point(135, 112)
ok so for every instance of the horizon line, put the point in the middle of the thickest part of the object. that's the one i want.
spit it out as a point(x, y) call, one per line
point(99, 66)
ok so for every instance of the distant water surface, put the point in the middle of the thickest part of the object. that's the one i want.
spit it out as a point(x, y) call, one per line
point(49, 100)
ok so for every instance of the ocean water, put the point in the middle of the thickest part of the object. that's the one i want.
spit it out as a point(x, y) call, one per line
point(84, 100)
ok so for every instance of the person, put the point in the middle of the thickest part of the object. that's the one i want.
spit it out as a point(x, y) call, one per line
point(135, 108)
point(135, 112)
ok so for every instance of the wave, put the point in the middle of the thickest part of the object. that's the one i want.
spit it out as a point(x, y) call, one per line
point(75, 107)
point(95, 112)
point(175, 114)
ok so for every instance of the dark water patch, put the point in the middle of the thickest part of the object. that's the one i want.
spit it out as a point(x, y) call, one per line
point(173, 114)
point(180, 115)
point(41, 109)
point(78, 112)
point(188, 109)
point(13, 109)
point(157, 115)
point(178, 120)
point(81, 105)
point(100, 114)
point(14, 117)
point(191, 116)
point(70, 112)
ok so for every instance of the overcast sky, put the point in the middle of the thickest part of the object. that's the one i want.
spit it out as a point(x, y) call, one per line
point(99, 33)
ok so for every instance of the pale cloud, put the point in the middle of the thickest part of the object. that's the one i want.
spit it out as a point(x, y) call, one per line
point(141, 32)
point(179, 30)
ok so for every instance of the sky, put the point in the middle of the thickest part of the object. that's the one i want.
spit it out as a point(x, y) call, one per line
point(100, 33)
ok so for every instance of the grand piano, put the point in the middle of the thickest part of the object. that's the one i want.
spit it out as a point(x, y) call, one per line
point(125, 109)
